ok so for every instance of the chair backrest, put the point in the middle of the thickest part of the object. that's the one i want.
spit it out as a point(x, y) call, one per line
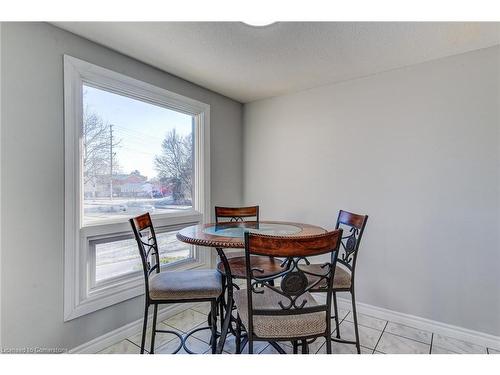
point(294, 283)
point(145, 236)
point(353, 226)
point(234, 214)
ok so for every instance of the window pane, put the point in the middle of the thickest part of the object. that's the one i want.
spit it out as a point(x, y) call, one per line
point(118, 258)
point(137, 157)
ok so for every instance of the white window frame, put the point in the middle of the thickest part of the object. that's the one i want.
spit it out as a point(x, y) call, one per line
point(80, 296)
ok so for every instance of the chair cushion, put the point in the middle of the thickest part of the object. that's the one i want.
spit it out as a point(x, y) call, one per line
point(282, 326)
point(237, 264)
point(341, 280)
point(179, 285)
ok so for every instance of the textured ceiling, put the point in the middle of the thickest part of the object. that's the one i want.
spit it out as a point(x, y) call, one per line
point(249, 63)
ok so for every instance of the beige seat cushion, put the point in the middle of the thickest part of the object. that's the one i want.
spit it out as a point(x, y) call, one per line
point(179, 285)
point(341, 280)
point(283, 326)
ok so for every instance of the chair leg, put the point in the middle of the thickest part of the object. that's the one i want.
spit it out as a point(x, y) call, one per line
point(144, 327)
point(238, 334)
point(221, 300)
point(336, 310)
point(153, 332)
point(305, 347)
point(295, 347)
point(213, 309)
point(328, 344)
point(250, 345)
point(355, 320)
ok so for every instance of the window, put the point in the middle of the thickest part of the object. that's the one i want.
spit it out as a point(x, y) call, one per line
point(136, 156)
point(130, 148)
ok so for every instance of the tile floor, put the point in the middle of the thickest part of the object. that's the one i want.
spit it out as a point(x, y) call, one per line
point(377, 337)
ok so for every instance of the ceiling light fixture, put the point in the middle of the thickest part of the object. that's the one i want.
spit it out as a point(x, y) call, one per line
point(258, 23)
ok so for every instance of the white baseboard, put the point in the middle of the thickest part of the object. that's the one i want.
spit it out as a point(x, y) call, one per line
point(459, 333)
point(130, 329)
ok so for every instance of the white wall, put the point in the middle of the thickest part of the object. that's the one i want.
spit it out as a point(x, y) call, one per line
point(1, 184)
point(32, 184)
point(417, 149)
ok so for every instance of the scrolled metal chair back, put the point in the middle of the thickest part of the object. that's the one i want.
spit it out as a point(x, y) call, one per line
point(353, 226)
point(147, 244)
point(294, 283)
point(236, 214)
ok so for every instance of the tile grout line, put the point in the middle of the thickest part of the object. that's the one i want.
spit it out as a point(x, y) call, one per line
point(408, 338)
point(133, 343)
point(380, 337)
point(392, 333)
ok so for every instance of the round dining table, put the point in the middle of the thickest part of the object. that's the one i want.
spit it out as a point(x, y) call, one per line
point(230, 235)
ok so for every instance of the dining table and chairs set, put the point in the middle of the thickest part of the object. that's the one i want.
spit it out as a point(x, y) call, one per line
point(265, 291)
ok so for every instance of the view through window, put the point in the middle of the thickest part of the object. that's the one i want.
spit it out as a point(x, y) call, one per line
point(117, 258)
point(137, 157)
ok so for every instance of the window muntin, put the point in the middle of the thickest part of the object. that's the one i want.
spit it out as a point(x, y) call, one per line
point(136, 157)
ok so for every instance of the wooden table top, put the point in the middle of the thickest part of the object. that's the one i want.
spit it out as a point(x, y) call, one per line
point(232, 233)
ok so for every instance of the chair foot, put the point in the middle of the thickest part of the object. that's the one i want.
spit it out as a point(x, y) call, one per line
point(188, 335)
point(179, 336)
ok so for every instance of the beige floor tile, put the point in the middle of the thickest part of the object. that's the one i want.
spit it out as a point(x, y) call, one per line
point(338, 348)
point(197, 346)
point(203, 335)
point(202, 307)
point(123, 347)
point(343, 314)
point(271, 350)
point(160, 338)
point(186, 320)
point(438, 350)
point(409, 332)
point(315, 346)
point(393, 344)
point(230, 346)
point(368, 337)
point(457, 346)
point(368, 321)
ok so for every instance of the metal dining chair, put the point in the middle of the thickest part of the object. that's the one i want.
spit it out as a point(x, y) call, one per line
point(172, 286)
point(287, 312)
point(354, 226)
point(237, 261)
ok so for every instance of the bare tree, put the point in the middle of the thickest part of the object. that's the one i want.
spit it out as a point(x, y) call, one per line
point(175, 164)
point(96, 148)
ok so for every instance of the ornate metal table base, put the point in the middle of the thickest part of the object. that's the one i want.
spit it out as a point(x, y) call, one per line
point(230, 235)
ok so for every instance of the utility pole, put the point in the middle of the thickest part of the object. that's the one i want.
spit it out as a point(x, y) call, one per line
point(111, 161)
